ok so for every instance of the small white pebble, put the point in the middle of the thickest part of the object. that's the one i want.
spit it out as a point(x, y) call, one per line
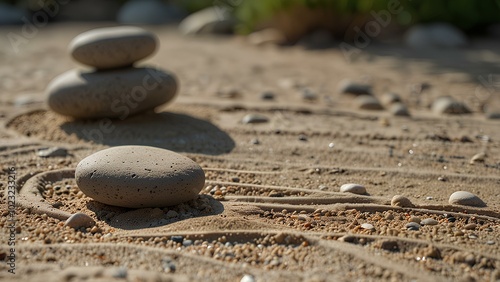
point(367, 226)
point(247, 278)
point(478, 158)
point(353, 188)
point(78, 220)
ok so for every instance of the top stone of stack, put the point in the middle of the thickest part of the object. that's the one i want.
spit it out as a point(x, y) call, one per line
point(114, 47)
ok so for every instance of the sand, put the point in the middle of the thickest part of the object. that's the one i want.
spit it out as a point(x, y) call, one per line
point(271, 206)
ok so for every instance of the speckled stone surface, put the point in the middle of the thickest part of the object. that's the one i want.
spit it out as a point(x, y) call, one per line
point(139, 177)
point(112, 94)
point(113, 47)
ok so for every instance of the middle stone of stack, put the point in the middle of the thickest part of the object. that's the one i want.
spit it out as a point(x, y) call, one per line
point(115, 88)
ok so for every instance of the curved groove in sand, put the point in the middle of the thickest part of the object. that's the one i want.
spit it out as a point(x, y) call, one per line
point(303, 190)
point(30, 194)
point(88, 248)
point(406, 172)
point(306, 200)
point(483, 214)
point(239, 235)
point(414, 241)
point(240, 171)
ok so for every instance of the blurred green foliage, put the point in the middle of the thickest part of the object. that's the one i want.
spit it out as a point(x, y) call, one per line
point(469, 15)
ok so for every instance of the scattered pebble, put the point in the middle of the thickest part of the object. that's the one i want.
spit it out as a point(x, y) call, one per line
point(478, 158)
point(353, 188)
point(254, 118)
point(470, 226)
point(79, 220)
point(139, 177)
point(177, 238)
point(367, 226)
point(415, 219)
point(267, 95)
point(350, 87)
point(412, 226)
point(368, 102)
point(442, 178)
point(401, 201)
point(53, 152)
point(309, 95)
point(303, 137)
point(390, 98)
point(429, 221)
point(255, 141)
point(448, 105)
point(399, 109)
point(247, 278)
point(211, 20)
point(466, 198)
point(187, 243)
point(113, 47)
point(493, 115)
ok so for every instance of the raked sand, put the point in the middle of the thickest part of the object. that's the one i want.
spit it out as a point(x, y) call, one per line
point(271, 208)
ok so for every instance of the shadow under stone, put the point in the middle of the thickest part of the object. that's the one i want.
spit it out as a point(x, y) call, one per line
point(173, 131)
point(132, 219)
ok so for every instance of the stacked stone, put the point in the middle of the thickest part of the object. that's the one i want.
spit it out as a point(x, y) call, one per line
point(114, 88)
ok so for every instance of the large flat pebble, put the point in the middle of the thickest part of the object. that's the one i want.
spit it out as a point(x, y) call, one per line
point(112, 94)
point(139, 177)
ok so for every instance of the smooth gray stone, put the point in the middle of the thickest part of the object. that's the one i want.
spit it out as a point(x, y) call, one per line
point(466, 199)
point(139, 177)
point(113, 47)
point(111, 94)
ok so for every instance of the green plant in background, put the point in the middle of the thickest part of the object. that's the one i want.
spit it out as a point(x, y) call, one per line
point(469, 15)
point(194, 5)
